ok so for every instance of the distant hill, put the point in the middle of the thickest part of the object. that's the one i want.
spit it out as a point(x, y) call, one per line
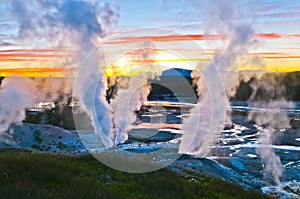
point(172, 84)
point(177, 72)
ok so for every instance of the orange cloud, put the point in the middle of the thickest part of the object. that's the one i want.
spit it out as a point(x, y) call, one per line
point(283, 57)
point(169, 38)
point(166, 38)
point(32, 55)
point(32, 72)
point(276, 36)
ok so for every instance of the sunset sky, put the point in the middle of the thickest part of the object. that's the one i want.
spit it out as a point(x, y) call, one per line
point(276, 25)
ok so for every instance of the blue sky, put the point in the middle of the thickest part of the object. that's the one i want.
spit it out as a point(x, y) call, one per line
point(281, 16)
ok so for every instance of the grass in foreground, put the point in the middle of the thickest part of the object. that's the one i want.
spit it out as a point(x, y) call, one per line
point(24, 175)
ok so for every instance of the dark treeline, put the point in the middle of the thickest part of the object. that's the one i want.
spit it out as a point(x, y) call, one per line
point(287, 83)
point(290, 82)
point(62, 115)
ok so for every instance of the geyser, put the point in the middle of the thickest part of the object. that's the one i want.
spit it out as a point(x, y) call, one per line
point(209, 114)
point(53, 24)
point(268, 95)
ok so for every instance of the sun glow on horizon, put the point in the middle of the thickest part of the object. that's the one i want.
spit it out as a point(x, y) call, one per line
point(132, 64)
point(56, 62)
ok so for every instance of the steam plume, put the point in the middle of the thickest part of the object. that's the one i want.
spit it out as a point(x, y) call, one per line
point(129, 100)
point(77, 24)
point(208, 116)
point(126, 103)
point(17, 94)
point(14, 98)
point(268, 95)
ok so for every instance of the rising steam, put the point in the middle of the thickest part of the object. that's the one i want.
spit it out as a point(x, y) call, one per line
point(208, 116)
point(126, 103)
point(268, 95)
point(51, 23)
point(16, 91)
point(130, 99)
point(17, 94)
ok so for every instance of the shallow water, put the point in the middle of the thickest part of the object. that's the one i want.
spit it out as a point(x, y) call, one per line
point(235, 151)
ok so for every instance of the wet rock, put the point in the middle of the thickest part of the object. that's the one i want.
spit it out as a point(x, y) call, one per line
point(249, 132)
point(229, 126)
point(150, 135)
point(221, 152)
point(251, 166)
point(186, 157)
point(289, 137)
point(216, 169)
